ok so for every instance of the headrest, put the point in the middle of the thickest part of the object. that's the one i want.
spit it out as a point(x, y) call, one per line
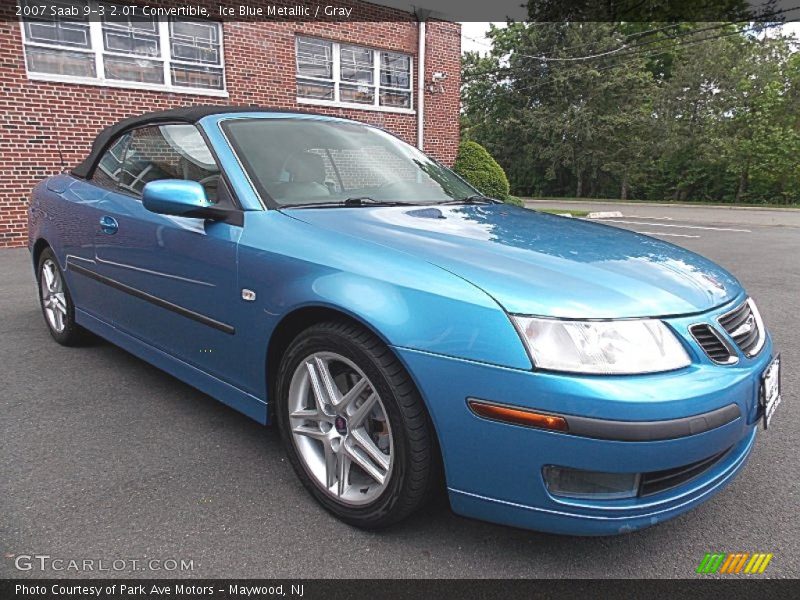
point(306, 167)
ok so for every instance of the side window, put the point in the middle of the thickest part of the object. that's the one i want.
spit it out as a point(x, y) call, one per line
point(169, 152)
point(110, 165)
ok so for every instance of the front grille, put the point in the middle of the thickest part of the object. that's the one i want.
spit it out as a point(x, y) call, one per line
point(744, 326)
point(661, 481)
point(712, 344)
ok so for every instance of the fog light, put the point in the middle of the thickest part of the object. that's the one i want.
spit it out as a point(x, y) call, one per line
point(575, 483)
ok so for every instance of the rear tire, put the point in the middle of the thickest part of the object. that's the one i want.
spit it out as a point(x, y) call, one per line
point(354, 426)
point(56, 302)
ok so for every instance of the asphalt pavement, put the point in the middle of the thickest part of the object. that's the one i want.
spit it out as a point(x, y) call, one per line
point(107, 458)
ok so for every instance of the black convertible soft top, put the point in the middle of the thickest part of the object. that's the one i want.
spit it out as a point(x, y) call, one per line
point(188, 114)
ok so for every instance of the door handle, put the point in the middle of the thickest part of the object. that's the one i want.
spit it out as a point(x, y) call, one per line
point(109, 225)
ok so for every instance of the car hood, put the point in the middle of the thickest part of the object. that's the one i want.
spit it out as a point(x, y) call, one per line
point(541, 264)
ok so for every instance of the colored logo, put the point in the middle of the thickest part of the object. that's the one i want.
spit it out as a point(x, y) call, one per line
point(734, 562)
point(341, 425)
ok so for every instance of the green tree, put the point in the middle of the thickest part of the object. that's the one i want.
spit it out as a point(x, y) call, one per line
point(688, 111)
point(761, 136)
point(571, 122)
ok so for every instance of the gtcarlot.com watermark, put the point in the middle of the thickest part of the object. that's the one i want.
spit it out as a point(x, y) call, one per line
point(46, 563)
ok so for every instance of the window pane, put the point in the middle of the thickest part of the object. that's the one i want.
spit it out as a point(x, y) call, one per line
point(315, 89)
point(197, 77)
point(194, 41)
point(168, 152)
point(110, 166)
point(53, 30)
point(356, 64)
point(60, 62)
point(395, 70)
point(395, 99)
point(137, 36)
point(329, 161)
point(331, 179)
point(371, 167)
point(360, 94)
point(124, 68)
point(314, 58)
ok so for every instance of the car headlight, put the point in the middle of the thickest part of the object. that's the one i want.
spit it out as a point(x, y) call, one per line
point(602, 347)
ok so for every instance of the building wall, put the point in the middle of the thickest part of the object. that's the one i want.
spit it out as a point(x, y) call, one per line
point(260, 70)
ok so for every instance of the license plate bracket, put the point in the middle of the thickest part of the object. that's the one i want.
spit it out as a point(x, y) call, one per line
point(770, 392)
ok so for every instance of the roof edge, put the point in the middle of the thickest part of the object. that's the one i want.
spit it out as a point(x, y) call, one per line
point(186, 114)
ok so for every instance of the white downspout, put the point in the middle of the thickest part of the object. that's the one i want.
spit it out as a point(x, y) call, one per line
point(421, 86)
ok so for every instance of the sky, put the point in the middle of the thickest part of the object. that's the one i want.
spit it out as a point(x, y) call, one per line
point(473, 35)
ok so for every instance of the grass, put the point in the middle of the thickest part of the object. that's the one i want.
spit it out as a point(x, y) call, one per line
point(563, 211)
point(693, 202)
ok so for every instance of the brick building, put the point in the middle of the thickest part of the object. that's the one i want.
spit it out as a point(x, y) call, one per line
point(69, 79)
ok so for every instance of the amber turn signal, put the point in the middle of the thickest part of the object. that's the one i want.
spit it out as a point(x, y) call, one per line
point(517, 416)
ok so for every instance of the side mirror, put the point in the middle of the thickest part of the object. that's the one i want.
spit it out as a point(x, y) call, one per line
point(180, 198)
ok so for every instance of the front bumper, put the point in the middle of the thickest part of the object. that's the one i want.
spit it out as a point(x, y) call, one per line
point(494, 470)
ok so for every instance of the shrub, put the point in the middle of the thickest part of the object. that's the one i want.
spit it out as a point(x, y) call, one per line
point(478, 167)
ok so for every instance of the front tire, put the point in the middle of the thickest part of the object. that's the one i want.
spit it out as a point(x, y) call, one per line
point(56, 302)
point(354, 426)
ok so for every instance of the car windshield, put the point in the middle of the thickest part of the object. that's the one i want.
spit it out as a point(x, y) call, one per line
point(310, 162)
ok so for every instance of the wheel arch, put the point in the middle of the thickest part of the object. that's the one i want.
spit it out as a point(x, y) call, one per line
point(295, 322)
point(300, 319)
point(36, 252)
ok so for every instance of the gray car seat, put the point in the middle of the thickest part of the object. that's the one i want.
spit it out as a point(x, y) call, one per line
point(307, 178)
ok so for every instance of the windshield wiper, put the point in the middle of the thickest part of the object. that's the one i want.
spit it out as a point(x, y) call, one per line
point(313, 205)
point(355, 201)
point(369, 201)
point(474, 199)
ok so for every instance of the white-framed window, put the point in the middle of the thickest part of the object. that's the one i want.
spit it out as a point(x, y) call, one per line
point(340, 74)
point(112, 50)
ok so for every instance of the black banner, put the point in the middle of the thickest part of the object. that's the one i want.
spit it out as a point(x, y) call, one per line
point(405, 10)
point(440, 589)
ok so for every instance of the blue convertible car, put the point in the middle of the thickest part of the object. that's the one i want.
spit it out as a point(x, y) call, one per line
point(403, 331)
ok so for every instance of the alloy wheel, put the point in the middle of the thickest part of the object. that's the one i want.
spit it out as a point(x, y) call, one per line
point(340, 428)
point(53, 297)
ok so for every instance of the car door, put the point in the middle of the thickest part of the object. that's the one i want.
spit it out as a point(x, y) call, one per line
point(79, 224)
point(173, 280)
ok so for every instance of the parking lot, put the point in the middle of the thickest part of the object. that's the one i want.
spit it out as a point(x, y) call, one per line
point(105, 457)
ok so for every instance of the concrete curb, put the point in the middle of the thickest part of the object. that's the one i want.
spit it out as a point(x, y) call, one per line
point(535, 201)
point(604, 214)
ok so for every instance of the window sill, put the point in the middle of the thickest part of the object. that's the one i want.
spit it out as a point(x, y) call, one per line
point(368, 107)
point(127, 85)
